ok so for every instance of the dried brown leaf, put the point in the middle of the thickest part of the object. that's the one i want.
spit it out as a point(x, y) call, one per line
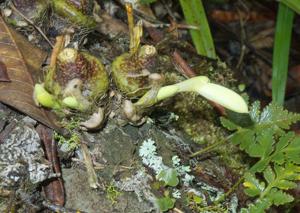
point(18, 92)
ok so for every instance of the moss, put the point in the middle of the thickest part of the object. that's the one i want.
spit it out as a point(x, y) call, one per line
point(112, 193)
point(197, 118)
point(72, 142)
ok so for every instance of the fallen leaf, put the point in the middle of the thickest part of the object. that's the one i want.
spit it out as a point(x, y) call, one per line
point(54, 188)
point(18, 92)
point(3, 73)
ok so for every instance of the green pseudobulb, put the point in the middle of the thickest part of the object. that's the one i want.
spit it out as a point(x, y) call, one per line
point(131, 72)
point(78, 80)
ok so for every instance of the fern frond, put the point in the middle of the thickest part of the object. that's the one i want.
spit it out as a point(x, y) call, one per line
point(277, 152)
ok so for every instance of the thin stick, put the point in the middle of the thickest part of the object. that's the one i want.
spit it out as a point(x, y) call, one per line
point(56, 50)
point(182, 65)
point(57, 208)
point(211, 147)
point(92, 176)
point(177, 210)
point(130, 24)
point(30, 22)
point(230, 191)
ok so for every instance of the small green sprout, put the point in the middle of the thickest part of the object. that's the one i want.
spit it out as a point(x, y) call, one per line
point(41, 96)
point(73, 142)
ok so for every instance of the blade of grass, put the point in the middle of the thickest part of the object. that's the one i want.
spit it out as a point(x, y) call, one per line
point(194, 14)
point(292, 4)
point(284, 24)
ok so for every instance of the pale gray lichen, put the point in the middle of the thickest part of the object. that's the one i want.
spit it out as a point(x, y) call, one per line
point(151, 159)
point(213, 192)
point(176, 194)
point(139, 184)
point(183, 171)
point(21, 157)
point(234, 203)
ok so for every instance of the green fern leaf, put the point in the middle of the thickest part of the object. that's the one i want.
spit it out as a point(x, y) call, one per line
point(255, 112)
point(278, 179)
point(277, 152)
point(258, 207)
point(279, 155)
point(263, 145)
point(228, 124)
point(279, 197)
point(269, 175)
point(244, 138)
point(292, 151)
point(253, 186)
point(285, 176)
point(274, 115)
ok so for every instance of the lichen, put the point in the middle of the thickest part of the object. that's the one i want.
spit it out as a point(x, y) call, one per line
point(21, 155)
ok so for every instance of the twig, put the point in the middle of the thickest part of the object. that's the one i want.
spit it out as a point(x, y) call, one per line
point(182, 66)
point(243, 37)
point(241, 58)
point(130, 24)
point(92, 176)
point(56, 50)
point(165, 5)
point(177, 210)
point(30, 22)
point(230, 191)
point(57, 208)
point(211, 147)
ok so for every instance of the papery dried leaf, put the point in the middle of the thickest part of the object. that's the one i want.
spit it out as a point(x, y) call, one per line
point(35, 57)
point(54, 188)
point(3, 73)
point(18, 93)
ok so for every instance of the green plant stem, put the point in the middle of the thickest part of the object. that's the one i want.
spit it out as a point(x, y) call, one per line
point(194, 14)
point(282, 42)
point(229, 192)
point(211, 147)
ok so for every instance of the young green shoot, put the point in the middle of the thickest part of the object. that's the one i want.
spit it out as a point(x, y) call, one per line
point(201, 85)
point(42, 97)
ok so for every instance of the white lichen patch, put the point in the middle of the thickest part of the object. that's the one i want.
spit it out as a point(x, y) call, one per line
point(150, 158)
point(213, 192)
point(21, 157)
point(183, 171)
point(139, 184)
point(176, 194)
